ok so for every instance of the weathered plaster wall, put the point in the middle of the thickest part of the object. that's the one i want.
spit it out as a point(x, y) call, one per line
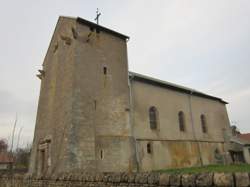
point(171, 147)
point(102, 101)
point(175, 154)
point(54, 114)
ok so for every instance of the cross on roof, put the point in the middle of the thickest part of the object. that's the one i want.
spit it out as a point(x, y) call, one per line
point(97, 16)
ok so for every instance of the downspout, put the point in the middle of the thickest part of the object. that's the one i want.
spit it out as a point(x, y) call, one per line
point(131, 121)
point(193, 128)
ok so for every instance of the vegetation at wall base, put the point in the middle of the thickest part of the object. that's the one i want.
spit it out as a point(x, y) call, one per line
point(209, 168)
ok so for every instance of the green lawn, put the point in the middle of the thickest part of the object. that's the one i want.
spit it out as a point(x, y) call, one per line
point(210, 168)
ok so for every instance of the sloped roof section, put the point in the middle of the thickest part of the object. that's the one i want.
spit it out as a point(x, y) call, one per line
point(245, 137)
point(5, 158)
point(172, 86)
point(101, 28)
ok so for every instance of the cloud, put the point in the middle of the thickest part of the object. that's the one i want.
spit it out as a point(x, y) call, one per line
point(10, 106)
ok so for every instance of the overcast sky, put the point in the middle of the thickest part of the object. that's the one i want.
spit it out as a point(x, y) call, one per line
point(202, 44)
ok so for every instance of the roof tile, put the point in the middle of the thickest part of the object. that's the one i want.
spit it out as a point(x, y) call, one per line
point(5, 158)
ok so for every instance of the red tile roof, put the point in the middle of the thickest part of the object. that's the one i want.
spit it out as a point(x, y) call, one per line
point(5, 158)
point(245, 136)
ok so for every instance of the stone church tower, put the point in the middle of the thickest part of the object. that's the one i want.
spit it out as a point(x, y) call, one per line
point(83, 117)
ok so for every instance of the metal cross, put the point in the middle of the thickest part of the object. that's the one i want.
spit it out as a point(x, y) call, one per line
point(97, 16)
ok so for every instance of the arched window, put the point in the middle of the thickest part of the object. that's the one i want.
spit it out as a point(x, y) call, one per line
point(153, 117)
point(181, 121)
point(203, 123)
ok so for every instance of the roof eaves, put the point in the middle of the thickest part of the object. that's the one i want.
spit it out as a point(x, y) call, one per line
point(172, 86)
point(239, 141)
point(101, 28)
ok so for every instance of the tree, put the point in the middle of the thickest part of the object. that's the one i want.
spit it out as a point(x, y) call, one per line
point(235, 130)
point(22, 156)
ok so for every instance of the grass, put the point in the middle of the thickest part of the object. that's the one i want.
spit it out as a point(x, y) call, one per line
point(209, 168)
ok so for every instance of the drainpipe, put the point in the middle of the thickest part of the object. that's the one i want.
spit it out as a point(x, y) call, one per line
point(193, 128)
point(131, 121)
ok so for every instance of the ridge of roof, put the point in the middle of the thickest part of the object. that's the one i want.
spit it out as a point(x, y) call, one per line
point(89, 23)
point(6, 158)
point(101, 28)
point(245, 136)
point(172, 86)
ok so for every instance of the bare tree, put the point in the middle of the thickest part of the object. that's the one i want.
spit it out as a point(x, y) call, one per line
point(18, 139)
point(22, 156)
point(13, 135)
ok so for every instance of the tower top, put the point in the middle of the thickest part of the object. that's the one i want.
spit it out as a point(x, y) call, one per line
point(101, 28)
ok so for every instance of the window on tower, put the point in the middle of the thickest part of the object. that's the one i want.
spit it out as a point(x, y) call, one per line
point(149, 148)
point(105, 70)
point(101, 154)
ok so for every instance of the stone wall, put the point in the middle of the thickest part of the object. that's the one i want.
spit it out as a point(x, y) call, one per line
point(172, 148)
point(130, 180)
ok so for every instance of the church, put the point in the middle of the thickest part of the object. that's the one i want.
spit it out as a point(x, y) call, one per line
point(94, 115)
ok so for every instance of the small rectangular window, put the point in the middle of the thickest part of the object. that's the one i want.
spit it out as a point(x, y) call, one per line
point(95, 104)
point(105, 70)
point(101, 154)
point(149, 148)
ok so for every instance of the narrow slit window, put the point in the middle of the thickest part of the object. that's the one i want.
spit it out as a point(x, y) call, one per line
point(101, 154)
point(149, 148)
point(105, 70)
point(95, 104)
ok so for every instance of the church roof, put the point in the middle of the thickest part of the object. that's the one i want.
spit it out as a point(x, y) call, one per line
point(239, 140)
point(172, 86)
point(101, 28)
point(5, 158)
point(245, 136)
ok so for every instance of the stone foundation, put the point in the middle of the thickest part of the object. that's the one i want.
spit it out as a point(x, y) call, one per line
point(129, 180)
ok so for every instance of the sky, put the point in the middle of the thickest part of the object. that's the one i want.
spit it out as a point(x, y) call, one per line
point(202, 44)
